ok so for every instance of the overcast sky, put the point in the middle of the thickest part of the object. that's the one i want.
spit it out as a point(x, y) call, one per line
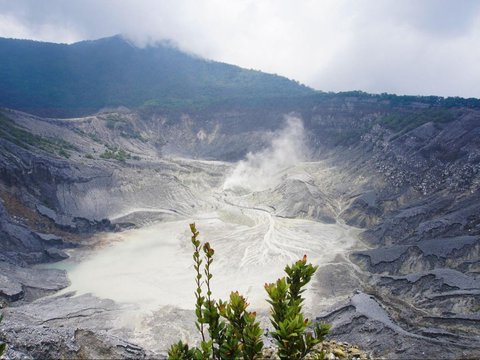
point(397, 46)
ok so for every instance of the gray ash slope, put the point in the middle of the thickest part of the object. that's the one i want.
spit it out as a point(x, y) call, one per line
point(408, 174)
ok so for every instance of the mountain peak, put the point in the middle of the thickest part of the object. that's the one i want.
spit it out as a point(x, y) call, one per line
point(81, 78)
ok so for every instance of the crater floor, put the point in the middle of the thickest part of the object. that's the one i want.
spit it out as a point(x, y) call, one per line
point(149, 271)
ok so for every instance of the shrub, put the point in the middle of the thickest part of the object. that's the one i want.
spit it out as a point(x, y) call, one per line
point(116, 154)
point(22, 137)
point(292, 338)
point(229, 331)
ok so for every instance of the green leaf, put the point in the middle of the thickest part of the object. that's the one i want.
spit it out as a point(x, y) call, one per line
point(233, 330)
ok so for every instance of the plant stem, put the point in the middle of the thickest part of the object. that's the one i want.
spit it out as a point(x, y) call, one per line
point(209, 259)
point(198, 279)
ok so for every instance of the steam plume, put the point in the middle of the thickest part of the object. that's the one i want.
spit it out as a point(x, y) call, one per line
point(262, 170)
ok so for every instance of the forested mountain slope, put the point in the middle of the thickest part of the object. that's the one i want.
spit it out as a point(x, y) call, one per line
point(65, 80)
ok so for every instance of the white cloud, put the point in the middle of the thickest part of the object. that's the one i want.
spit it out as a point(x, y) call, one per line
point(408, 46)
point(10, 26)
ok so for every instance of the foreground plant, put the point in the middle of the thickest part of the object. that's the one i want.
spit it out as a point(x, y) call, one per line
point(229, 331)
point(291, 335)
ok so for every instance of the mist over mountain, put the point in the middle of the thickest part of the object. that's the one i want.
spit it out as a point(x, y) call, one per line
point(60, 80)
point(68, 80)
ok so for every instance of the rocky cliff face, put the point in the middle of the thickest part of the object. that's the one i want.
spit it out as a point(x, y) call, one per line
point(423, 226)
point(408, 176)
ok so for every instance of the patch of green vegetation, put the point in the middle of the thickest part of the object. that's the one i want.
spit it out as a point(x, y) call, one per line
point(89, 156)
point(25, 139)
point(399, 121)
point(133, 135)
point(115, 154)
point(94, 137)
point(404, 122)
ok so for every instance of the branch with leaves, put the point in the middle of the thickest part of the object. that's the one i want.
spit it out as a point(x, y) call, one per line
point(229, 331)
point(291, 333)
